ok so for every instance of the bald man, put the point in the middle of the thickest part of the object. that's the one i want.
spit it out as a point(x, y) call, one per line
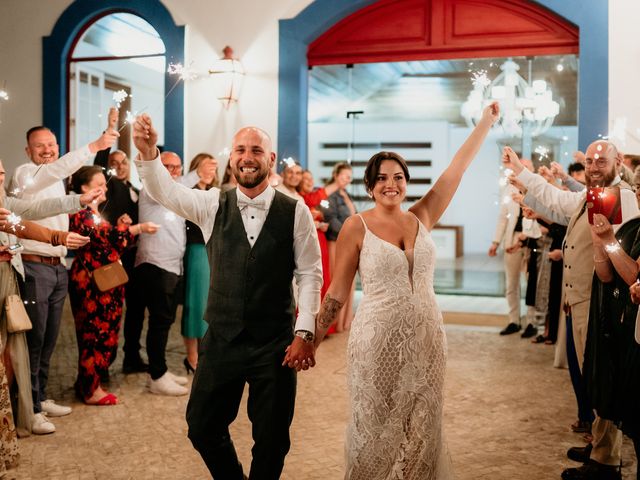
point(602, 164)
point(258, 239)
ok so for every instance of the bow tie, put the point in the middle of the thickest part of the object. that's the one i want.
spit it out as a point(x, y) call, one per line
point(248, 202)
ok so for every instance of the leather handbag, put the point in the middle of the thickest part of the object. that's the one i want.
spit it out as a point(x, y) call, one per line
point(110, 276)
point(17, 317)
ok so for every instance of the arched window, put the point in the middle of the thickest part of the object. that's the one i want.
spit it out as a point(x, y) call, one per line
point(119, 60)
point(83, 27)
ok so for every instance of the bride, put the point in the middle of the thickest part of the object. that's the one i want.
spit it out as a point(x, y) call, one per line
point(397, 347)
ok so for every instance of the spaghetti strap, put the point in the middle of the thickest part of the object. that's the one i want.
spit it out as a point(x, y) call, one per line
point(363, 222)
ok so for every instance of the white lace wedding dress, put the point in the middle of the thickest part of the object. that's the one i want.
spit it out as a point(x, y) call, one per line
point(396, 366)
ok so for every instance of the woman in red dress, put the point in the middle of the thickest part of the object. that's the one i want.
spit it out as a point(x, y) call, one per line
point(97, 314)
point(316, 200)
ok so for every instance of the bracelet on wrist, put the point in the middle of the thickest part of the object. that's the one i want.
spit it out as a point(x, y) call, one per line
point(600, 260)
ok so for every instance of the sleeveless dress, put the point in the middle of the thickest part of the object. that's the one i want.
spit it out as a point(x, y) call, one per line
point(396, 366)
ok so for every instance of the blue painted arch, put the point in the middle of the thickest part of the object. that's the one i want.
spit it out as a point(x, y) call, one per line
point(590, 16)
point(57, 47)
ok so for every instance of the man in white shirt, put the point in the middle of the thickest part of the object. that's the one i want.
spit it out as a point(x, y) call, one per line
point(45, 272)
point(153, 286)
point(257, 239)
point(602, 457)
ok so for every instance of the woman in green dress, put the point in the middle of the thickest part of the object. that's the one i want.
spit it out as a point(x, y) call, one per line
point(196, 271)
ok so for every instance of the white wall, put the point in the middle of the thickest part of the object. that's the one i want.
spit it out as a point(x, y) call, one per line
point(624, 71)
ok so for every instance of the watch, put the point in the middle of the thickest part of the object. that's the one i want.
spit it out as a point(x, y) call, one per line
point(305, 335)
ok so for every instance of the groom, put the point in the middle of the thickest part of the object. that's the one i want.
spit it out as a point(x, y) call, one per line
point(257, 241)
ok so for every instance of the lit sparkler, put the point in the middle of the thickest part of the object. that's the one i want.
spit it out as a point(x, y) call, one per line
point(14, 221)
point(324, 203)
point(543, 152)
point(185, 73)
point(119, 97)
point(4, 95)
point(289, 162)
point(97, 219)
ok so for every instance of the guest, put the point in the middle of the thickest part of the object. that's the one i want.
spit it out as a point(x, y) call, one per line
point(97, 314)
point(14, 354)
point(46, 281)
point(291, 176)
point(317, 201)
point(228, 180)
point(340, 208)
point(196, 271)
point(612, 354)
point(156, 276)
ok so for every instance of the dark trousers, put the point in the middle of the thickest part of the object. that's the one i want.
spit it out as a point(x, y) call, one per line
point(585, 412)
point(45, 290)
point(134, 316)
point(223, 369)
point(154, 289)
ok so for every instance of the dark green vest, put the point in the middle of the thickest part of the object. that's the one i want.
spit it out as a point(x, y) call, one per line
point(250, 288)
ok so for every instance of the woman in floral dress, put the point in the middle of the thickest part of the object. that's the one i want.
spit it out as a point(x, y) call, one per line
point(97, 314)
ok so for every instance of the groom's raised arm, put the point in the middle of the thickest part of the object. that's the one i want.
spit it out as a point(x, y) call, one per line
point(199, 206)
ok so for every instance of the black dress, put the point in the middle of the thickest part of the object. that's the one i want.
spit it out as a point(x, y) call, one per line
point(612, 356)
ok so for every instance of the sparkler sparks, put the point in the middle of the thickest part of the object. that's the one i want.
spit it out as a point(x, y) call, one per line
point(543, 152)
point(185, 73)
point(14, 221)
point(119, 97)
point(289, 162)
point(324, 203)
point(480, 80)
point(169, 216)
point(4, 95)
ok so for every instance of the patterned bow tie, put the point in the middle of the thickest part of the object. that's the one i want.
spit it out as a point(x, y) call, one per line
point(248, 202)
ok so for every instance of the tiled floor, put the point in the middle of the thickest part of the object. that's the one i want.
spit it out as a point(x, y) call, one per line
point(507, 416)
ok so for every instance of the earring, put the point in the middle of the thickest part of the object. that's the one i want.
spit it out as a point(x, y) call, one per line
point(370, 193)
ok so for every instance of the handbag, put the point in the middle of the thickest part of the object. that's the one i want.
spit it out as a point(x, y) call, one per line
point(110, 276)
point(17, 317)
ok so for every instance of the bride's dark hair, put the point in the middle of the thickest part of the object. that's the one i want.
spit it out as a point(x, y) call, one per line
point(373, 167)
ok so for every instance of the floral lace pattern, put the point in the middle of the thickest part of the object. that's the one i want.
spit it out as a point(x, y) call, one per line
point(397, 359)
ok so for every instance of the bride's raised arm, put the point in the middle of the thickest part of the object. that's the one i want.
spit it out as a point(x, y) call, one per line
point(431, 206)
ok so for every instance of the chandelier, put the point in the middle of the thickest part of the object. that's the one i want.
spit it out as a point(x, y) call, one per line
point(524, 105)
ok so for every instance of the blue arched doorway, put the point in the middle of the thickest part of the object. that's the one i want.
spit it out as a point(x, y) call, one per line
point(68, 29)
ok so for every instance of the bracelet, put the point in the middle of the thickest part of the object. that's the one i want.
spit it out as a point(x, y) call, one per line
point(595, 260)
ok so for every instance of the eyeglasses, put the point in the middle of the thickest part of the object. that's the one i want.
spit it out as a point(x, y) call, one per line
point(600, 162)
point(172, 168)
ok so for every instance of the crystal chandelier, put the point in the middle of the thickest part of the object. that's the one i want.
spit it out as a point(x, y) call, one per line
point(523, 104)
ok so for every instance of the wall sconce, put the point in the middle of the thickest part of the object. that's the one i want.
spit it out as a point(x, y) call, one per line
point(228, 75)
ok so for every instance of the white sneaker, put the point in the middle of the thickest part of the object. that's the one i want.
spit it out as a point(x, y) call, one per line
point(177, 379)
point(166, 386)
point(52, 409)
point(41, 425)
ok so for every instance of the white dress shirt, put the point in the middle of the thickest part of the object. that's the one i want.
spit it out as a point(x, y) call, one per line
point(166, 247)
point(36, 182)
point(201, 206)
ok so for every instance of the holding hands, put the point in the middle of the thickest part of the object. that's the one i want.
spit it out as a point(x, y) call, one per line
point(300, 355)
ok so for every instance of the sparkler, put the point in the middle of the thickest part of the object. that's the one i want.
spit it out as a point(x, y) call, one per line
point(324, 203)
point(542, 151)
point(4, 95)
point(289, 162)
point(14, 221)
point(119, 97)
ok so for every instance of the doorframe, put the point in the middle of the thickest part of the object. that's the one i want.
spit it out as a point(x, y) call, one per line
point(296, 34)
